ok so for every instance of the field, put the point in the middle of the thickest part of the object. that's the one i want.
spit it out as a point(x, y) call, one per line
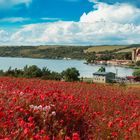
point(104, 48)
point(126, 50)
point(33, 109)
point(61, 51)
point(49, 51)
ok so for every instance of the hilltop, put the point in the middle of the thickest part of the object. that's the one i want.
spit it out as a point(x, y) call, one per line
point(98, 49)
point(111, 48)
point(61, 51)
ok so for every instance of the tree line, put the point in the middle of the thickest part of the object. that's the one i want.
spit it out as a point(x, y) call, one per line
point(70, 74)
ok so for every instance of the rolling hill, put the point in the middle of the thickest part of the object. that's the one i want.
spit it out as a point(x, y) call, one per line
point(61, 51)
point(98, 49)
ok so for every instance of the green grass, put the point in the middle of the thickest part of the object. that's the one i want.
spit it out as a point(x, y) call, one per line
point(104, 48)
point(126, 50)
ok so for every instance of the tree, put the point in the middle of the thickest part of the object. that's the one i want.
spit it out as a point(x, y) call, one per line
point(1, 73)
point(105, 57)
point(101, 69)
point(91, 57)
point(71, 74)
point(136, 72)
point(138, 63)
point(32, 71)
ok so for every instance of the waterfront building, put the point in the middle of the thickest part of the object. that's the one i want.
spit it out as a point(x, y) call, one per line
point(103, 77)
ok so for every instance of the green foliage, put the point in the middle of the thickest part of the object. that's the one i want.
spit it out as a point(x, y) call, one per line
point(32, 71)
point(71, 74)
point(102, 69)
point(123, 56)
point(13, 72)
point(91, 57)
point(138, 63)
point(51, 52)
point(59, 52)
point(106, 57)
point(136, 72)
point(1, 73)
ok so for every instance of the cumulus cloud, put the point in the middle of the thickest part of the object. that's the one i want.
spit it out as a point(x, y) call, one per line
point(108, 24)
point(75, 33)
point(50, 19)
point(8, 3)
point(14, 19)
point(118, 13)
point(4, 37)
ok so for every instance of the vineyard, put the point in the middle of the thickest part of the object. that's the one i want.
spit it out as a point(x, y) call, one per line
point(33, 109)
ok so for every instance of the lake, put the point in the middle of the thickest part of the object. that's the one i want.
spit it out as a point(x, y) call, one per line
point(60, 65)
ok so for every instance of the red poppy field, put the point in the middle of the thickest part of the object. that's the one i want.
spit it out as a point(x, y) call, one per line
point(33, 109)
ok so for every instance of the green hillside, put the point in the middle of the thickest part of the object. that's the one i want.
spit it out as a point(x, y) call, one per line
point(98, 49)
point(60, 52)
point(51, 52)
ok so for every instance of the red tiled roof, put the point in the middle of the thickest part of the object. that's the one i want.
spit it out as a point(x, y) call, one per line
point(131, 77)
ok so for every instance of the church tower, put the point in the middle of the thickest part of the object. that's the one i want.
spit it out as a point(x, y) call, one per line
point(134, 55)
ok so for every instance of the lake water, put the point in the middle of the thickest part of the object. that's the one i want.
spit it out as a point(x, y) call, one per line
point(60, 65)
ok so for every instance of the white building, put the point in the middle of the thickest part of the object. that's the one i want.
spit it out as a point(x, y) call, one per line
point(103, 77)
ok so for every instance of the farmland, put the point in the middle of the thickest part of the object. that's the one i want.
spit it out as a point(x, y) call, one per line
point(126, 50)
point(61, 51)
point(98, 49)
point(49, 51)
point(49, 110)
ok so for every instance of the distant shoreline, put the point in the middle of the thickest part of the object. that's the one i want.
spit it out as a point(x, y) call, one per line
point(58, 65)
point(84, 61)
point(123, 66)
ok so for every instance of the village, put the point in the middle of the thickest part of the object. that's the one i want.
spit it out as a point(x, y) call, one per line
point(101, 76)
point(135, 58)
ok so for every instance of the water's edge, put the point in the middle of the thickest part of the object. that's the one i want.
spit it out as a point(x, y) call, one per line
point(60, 65)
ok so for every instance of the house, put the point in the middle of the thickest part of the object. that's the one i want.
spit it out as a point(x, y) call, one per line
point(103, 77)
point(101, 62)
point(136, 55)
point(133, 78)
point(119, 62)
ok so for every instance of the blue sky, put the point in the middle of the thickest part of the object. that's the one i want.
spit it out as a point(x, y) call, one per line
point(51, 10)
point(78, 22)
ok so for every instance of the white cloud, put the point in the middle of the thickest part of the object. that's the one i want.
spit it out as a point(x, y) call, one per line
point(109, 24)
point(4, 37)
point(50, 19)
point(14, 19)
point(10, 3)
point(75, 33)
point(118, 13)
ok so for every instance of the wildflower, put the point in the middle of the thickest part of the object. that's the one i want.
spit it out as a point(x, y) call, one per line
point(26, 130)
point(6, 139)
point(37, 137)
point(35, 107)
point(110, 124)
point(121, 124)
point(75, 136)
point(46, 138)
point(67, 138)
point(53, 113)
point(21, 93)
point(46, 108)
point(114, 134)
point(30, 119)
point(31, 106)
point(126, 138)
point(40, 107)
